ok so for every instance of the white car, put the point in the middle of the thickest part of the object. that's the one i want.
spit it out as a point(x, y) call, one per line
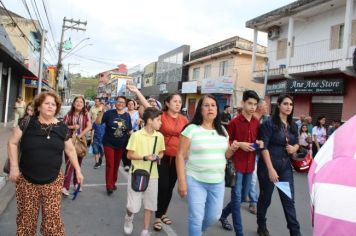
point(64, 110)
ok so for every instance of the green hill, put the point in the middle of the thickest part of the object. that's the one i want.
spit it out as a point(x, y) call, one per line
point(80, 85)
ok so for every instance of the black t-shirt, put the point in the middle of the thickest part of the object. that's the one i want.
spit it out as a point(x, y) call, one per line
point(117, 128)
point(41, 158)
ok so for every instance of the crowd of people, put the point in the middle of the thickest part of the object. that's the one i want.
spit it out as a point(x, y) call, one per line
point(160, 146)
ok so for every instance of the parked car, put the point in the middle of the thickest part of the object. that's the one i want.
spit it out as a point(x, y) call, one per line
point(64, 110)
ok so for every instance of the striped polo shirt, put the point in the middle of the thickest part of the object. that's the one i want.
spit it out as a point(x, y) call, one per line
point(332, 184)
point(206, 157)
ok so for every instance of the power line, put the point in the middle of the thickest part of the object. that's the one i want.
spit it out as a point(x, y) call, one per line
point(23, 35)
point(49, 22)
point(37, 13)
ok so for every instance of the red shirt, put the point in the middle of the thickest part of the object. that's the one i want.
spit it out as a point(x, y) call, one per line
point(242, 130)
point(171, 129)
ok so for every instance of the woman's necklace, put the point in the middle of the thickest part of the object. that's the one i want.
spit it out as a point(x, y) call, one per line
point(47, 130)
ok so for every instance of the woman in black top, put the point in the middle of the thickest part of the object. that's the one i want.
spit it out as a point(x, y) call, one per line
point(280, 136)
point(38, 177)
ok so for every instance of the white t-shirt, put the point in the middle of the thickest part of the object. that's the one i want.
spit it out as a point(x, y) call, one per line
point(320, 134)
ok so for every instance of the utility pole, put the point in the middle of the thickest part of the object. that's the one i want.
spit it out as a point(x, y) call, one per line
point(40, 70)
point(67, 24)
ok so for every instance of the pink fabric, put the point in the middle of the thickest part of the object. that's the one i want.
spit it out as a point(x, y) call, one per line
point(340, 170)
point(327, 226)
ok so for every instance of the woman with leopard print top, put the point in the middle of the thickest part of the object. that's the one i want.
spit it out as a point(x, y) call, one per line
point(38, 175)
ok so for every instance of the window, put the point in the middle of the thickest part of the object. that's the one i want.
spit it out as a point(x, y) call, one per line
point(223, 68)
point(336, 36)
point(196, 72)
point(207, 71)
point(282, 48)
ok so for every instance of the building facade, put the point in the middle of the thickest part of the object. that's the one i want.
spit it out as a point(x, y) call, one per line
point(104, 78)
point(30, 51)
point(310, 56)
point(170, 72)
point(222, 69)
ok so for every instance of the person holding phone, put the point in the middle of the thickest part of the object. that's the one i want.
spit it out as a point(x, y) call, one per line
point(244, 129)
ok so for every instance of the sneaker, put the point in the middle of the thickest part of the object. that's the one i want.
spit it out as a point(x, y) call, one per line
point(225, 224)
point(145, 233)
point(128, 226)
point(252, 209)
point(65, 192)
point(127, 168)
point(262, 231)
point(97, 165)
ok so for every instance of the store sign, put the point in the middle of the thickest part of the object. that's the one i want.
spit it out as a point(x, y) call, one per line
point(190, 87)
point(30, 83)
point(222, 85)
point(316, 86)
point(276, 88)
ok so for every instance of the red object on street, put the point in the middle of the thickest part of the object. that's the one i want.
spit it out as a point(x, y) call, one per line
point(302, 164)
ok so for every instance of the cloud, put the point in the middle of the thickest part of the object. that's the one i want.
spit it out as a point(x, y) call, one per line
point(138, 31)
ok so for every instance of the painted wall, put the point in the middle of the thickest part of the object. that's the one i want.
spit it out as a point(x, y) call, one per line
point(302, 105)
point(312, 39)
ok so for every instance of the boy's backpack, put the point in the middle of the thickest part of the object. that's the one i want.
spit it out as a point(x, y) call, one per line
point(332, 184)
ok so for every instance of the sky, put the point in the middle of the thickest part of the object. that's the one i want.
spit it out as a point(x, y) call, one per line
point(136, 32)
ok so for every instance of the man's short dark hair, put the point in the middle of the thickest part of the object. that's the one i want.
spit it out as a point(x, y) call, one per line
point(150, 113)
point(123, 97)
point(226, 106)
point(250, 94)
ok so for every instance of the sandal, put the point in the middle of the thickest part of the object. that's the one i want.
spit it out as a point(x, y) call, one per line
point(157, 226)
point(166, 220)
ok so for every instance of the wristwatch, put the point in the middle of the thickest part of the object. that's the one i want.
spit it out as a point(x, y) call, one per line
point(144, 158)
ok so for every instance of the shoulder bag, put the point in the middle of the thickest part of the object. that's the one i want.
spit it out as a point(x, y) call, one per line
point(7, 163)
point(140, 178)
point(230, 175)
point(80, 144)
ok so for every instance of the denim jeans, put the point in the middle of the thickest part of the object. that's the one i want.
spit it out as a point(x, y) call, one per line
point(252, 194)
point(205, 202)
point(243, 183)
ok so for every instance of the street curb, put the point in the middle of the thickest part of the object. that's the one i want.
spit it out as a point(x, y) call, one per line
point(7, 193)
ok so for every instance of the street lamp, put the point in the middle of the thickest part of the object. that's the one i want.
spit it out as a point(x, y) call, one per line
point(72, 52)
point(81, 41)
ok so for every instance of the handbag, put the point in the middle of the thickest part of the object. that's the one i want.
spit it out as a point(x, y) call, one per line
point(6, 168)
point(80, 146)
point(230, 175)
point(140, 178)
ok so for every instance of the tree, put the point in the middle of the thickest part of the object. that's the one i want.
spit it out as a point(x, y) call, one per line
point(90, 93)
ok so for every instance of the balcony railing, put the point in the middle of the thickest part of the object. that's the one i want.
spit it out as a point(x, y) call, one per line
point(308, 57)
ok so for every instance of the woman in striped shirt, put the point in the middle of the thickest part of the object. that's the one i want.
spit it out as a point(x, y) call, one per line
point(204, 144)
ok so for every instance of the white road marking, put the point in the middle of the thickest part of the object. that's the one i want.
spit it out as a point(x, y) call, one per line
point(96, 185)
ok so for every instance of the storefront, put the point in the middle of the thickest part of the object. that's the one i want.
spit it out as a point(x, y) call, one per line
point(316, 97)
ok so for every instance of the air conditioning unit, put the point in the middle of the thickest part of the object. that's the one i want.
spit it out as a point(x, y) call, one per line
point(273, 32)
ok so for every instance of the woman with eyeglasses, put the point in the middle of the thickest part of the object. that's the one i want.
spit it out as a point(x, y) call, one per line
point(118, 127)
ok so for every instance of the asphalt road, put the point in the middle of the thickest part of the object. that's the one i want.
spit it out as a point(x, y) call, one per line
point(94, 213)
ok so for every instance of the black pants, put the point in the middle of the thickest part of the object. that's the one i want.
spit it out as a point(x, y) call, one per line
point(166, 182)
point(284, 170)
point(125, 160)
point(315, 149)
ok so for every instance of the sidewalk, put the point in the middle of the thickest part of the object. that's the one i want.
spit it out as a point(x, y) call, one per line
point(7, 189)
